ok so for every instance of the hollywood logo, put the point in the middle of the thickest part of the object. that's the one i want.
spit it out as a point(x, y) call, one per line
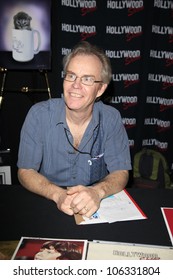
point(129, 105)
point(162, 149)
point(84, 35)
point(162, 125)
point(85, 11)
point(162, 146)
point(129, 126)
point(165, 107)
point(169, 62)
point(166, 85)
point(130, 83)
point(131, 36)
point(162, 129)
point(129, 60)
point(129, 122)
point(132, 11)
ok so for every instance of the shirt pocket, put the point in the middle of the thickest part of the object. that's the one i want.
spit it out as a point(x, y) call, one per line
point(98, 168)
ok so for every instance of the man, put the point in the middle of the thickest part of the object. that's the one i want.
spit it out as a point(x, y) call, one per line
point(75, 150)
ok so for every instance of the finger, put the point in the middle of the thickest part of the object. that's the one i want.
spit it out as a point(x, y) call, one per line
point(89, 213)
point(75, 189)
point(87, 210)
point(67, 210)
point(90, 209)
point(83, 211)
point(64, 204)
point(77, 209)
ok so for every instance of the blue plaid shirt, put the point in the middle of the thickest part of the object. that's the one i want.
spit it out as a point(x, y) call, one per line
point(46, 144)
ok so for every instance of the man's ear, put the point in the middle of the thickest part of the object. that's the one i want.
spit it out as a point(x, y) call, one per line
point(101, 90)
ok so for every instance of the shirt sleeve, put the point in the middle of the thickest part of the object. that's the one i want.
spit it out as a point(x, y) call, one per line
point(117, 152)
point(30, 147)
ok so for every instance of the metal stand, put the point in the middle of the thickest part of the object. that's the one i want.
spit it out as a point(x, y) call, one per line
point(4, 71)
point(24, 89)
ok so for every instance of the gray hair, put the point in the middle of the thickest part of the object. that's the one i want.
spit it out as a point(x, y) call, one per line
point(85, 48)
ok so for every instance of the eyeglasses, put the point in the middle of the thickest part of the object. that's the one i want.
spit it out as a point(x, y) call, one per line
point(85, 80)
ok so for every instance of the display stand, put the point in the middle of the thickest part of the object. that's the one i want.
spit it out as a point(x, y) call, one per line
point(4, 72)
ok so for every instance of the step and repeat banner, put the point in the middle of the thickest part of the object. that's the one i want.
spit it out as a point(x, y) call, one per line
point(137, 36)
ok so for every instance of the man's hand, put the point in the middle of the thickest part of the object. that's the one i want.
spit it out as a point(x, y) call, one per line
point(84, 200)
point(63, 201)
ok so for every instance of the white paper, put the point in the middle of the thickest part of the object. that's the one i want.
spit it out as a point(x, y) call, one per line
point(106, 250)
point(117, 207)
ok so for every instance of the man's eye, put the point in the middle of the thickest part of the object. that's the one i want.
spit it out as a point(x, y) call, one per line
point(70, 76)
point(88, 79)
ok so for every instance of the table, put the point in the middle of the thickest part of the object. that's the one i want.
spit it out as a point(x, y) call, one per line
point(26, 214)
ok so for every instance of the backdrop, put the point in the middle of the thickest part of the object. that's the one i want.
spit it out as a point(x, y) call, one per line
point(138, 38)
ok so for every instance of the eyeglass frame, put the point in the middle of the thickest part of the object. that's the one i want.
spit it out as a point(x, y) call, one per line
point(91, 76)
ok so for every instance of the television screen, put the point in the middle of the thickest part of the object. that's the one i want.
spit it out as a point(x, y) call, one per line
point(25, 32)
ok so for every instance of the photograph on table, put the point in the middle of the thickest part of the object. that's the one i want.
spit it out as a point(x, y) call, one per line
point(25, 30)
point(30, 248)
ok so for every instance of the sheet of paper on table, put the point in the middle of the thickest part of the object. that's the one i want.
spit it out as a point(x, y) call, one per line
point(105, 250)
point(118, 207)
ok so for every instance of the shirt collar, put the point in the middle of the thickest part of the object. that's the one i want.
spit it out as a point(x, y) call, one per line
point(61, 115)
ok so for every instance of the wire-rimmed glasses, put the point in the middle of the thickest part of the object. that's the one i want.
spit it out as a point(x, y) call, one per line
point(87, 80)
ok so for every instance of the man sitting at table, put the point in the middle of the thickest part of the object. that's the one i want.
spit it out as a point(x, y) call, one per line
point(75, 150)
